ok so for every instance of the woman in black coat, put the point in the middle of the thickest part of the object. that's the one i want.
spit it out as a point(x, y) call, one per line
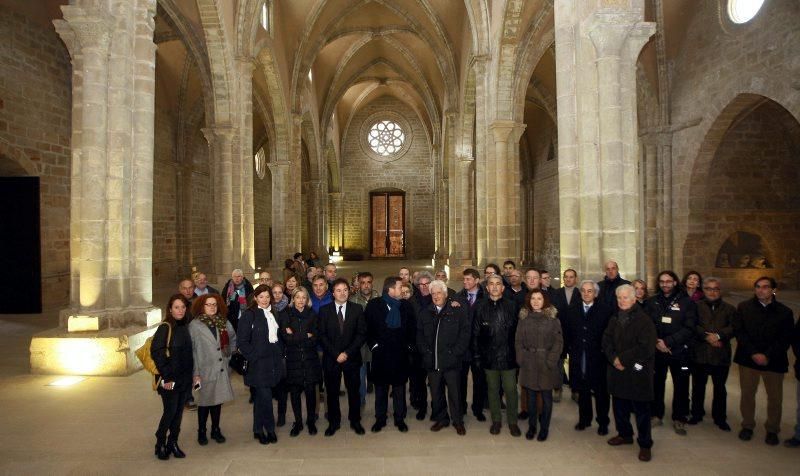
point(303, 369)
point(171, 350)
point(259, 343)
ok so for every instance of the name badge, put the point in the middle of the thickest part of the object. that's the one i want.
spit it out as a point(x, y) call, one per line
point(638, 367)
point(666, 320)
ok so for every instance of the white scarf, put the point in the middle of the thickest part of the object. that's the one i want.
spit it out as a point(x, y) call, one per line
point(272, 324)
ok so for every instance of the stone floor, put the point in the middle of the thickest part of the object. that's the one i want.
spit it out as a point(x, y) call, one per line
point(105, 426)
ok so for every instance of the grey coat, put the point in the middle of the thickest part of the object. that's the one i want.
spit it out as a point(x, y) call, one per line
point(211, 364)
point(538, 344)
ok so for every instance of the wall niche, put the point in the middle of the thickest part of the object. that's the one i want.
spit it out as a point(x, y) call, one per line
point(743, 250)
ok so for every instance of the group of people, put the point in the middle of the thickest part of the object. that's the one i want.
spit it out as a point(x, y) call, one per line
point(512, 332)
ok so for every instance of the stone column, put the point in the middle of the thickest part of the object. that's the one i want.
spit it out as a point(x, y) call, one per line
point(244, 220)
point(316, 215)
point(463, 203)
point(503, 194)
point(596, 50)
point(336, 214)
point(222, 243)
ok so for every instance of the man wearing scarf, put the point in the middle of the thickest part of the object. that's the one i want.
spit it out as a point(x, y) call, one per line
point(236, 291)
point(391, 333)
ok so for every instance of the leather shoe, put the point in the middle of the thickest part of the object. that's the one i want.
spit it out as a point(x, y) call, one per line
point(645, 454)
point(272, 437)
point(460, 429)
point(421, 414)
point(479, 416)
point(523, 415)
point(531, 433)
point(694, 420)
point(542, 435)
point(378, 426)
point(746, 434)
point(176, 451)
point(296, 429)
point(162, 452)
point(401, 426)
point(332, 429)
point(216, 435)
point(582, 426)
point(356, 426)
point(514, 430)
point(312, 429)
point(620, 440)
point(603, 430)
point(261, 437)
point(724, 426)
point(772, 439)
point(201, 437)
point(439, 425)
point(495, 428)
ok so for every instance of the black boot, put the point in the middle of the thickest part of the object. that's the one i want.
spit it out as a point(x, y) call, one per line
point(216, 435)
point(172, 447)
point(161, 451)
point(201, 437)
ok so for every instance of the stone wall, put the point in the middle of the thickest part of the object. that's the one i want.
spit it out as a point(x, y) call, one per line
point(412, 173)
point(262, 214)
point(165, 200)
point(35, 128)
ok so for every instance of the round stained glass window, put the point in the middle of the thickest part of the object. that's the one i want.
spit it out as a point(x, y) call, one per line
point(386, 138)
point(742, 11)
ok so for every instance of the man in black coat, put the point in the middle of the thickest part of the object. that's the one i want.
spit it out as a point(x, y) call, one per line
point(443, 336)
point(342, 332)
point(628, 347)
point(469, 297)
point(763, 330)
point(794, 441)
point(235, 293)
point(611, 281)
point(391, 334)
point(583, 325)
point(675, 316)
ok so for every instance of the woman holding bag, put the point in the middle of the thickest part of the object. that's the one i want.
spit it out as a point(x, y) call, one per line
point(171, 350)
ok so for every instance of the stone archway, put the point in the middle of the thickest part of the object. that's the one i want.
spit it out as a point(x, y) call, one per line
point(745, 180)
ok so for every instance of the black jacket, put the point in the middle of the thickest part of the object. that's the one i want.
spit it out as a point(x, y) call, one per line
point(675, 318)
point(493, 331)
point(608, 288)
point(302, 361)
point(560, 300)
point(583, 338)
point(179, 366)
point(444, 337)
point(266, 367)
point(391, 348)
point(234, 306)
point(335, 342)
point(796, 349)
point(632, 340)
point(763, 330)
point(715, 317)
point(463, 300)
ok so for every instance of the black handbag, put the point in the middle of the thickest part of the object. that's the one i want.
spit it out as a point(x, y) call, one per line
point(239, 363)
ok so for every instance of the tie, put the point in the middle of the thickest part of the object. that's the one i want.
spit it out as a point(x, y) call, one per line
point(471, 299)
point(341, 320)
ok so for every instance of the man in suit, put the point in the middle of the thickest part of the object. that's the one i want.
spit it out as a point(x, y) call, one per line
point(342, 332)
point(469, 297)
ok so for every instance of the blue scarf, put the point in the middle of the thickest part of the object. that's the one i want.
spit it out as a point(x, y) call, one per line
point(393, 319)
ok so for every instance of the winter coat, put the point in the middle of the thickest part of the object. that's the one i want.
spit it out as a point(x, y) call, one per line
point(303, 367)
point(235, 309)
point(608, 289)
point(796, 349)
point(493, 332)
point(718, 321)
point(463, 299)
point(366, 355)
point(265, 365)
point(211, 363)
point(391, 348)
point(675, 318)
point(763, 330)
point(443, 337)
point(632, 339)
point(538, 343)
point(583, 336)
point(178, 366)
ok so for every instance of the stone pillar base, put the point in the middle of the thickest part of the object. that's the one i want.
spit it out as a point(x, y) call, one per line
point(74, 320)
point(105, 353)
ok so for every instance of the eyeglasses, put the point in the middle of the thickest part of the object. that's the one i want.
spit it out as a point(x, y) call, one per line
point(708, 290)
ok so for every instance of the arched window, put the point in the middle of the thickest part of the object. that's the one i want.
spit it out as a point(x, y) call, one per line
point(742, 11)
point(265, 16)
point(261, 163)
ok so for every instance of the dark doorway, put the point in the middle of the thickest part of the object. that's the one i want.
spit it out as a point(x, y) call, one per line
point(387, 218)
point(20, 258)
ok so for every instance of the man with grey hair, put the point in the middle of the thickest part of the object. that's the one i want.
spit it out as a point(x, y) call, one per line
point(421, 281)
point(711, 352)
point(235, 292)
point(611, 281)
point(583, 325)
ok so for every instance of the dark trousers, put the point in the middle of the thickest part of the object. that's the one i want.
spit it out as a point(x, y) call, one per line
point(202, 416)
point(311, 402)
point(480, 389)
point(543, 418)
point(417, 388)
point(622, 419)
point(263, 418)
point(680, 386)
point(172, 415)
point(352, 382)
point(719, 404)
point(281, 393)
point(602, 403)
point(382, 402)
point(438, 380)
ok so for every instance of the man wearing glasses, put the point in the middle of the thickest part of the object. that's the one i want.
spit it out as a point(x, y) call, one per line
point(711, 354)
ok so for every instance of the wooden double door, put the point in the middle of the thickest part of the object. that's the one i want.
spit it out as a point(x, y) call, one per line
point(387, 224)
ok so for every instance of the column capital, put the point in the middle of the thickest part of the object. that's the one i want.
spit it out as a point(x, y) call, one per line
point(616, 33)
point(246, 63)
point(451, 114)
point(91, 27)
point(217, 132)
point(504, 130)
point(335, 195)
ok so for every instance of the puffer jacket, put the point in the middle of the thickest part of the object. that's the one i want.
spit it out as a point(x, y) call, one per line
point(493, 331)
point(538, 345)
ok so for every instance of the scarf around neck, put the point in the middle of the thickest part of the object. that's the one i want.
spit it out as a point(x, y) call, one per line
point(393, 319)
point(220, 324)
